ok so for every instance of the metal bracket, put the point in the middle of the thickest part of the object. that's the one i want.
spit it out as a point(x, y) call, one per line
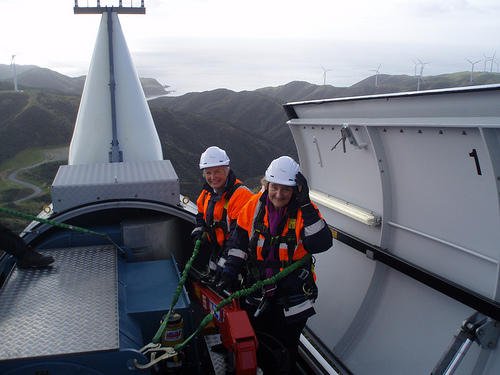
point(348, 135)
point(479, 328)
point(488, 334)
point(356, 141)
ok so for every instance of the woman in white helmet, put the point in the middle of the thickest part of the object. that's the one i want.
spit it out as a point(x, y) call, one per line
point(219, 204)
point(277, 227)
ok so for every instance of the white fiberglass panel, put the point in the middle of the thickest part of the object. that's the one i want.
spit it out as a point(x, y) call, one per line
point(136, 132)
point(343, 278)
point(408, 328)
point(445, 212)
point(429, 165)
point(352, 176)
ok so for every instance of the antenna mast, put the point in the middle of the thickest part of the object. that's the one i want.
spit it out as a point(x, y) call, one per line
point(99, 9)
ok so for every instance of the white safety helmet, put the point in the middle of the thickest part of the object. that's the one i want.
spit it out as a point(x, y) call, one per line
point(283, 171)
point(213, 157)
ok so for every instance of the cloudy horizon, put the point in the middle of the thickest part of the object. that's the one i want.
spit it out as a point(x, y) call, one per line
point(199, 45)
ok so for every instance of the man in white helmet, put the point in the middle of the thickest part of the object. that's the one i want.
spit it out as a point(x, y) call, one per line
point(277, 227)
point(219, 205)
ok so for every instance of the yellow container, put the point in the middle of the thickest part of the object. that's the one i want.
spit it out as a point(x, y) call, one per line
point(173, 333)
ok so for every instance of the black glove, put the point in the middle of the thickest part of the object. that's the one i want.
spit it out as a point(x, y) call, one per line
point(302, 190)
point(196, 234)
point(227, 283)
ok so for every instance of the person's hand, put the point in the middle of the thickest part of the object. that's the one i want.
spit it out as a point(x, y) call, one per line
point(227, 283)
point(302, 190)
point(196, 234)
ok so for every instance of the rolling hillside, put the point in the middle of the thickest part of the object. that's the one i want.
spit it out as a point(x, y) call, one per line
point(31, 77)
point(35, 119)
point(249, 125)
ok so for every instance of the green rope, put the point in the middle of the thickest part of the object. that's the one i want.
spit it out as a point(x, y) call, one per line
point(244, 292)
point(58, 224)
point(156, 338)
point(51, 222)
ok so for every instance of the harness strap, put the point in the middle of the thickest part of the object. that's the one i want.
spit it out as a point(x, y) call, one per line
point(291, 237)
point(260, 229)
point(222, 223)
point(273, 264)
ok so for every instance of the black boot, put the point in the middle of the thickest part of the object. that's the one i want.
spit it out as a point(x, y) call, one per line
point(32, 258)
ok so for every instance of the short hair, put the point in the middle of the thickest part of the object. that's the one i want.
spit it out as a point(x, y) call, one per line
point(264, 182)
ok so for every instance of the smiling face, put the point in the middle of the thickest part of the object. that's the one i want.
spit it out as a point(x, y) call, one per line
point(279, 195)
point(216, 177)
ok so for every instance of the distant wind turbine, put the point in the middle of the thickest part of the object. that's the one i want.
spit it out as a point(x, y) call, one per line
point(324, 74)
point(486, 59)
point(492, 61)
point(472, 67)
point(376, 74)
point(13, 66)
point(416, 65)
point(420, 76)
point(422, 67)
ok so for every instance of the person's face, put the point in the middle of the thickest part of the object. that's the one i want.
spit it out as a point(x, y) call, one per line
point(216, 177)
point(279, 195)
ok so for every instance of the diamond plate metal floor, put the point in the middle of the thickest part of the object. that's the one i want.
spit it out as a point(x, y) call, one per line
point(70, 307)
point(219, 360)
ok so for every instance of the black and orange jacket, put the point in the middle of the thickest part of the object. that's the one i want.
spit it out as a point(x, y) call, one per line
point(219, 215)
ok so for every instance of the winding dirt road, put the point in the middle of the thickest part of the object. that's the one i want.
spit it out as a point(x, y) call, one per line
point(50, 155)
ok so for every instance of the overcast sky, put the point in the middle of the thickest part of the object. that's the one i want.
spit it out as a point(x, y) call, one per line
point(198, 45)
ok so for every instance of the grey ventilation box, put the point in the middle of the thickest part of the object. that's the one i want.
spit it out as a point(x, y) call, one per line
point(76, 185)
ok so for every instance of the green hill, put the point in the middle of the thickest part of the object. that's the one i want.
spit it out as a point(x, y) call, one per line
point(249, 125)
point(249, 111)
point(35, 119)
point(31, 77)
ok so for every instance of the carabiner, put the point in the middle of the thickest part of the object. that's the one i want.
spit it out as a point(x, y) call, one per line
point(169, 352)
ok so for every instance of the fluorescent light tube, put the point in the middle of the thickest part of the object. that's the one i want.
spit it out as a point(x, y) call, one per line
point(345, 208)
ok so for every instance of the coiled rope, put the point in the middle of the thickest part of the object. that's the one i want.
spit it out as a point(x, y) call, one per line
point(241, 293)
point(156, 338)
point(220, 305)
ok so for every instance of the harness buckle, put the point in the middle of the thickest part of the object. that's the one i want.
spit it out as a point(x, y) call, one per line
point(275, 240)
point(262, 306)
point(303, 275)
point(266, 291)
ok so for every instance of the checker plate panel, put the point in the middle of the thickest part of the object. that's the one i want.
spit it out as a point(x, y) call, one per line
point(71, 307)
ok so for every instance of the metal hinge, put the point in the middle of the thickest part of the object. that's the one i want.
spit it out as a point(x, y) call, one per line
point(347, 135)
point(478, 328)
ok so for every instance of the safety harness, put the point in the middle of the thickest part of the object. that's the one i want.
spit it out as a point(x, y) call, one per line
point(290, 238)
point(254, 265)
point(222, 223)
